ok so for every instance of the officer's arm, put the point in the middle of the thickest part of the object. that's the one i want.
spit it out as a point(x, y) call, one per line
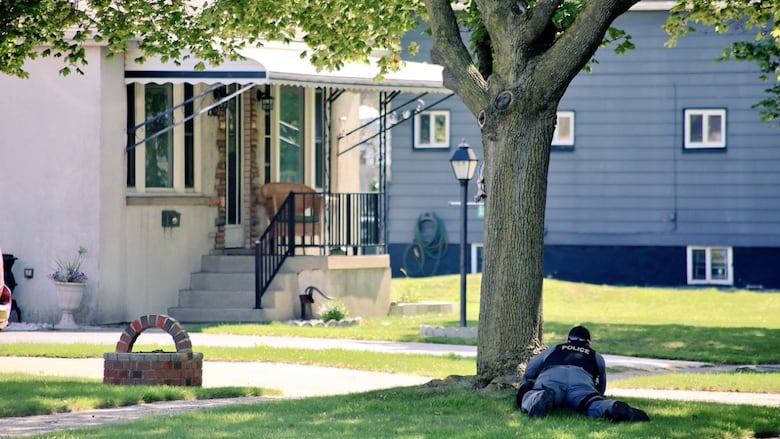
point(601, 385)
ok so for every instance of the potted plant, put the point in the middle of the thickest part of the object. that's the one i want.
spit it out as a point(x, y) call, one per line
point(69, 283)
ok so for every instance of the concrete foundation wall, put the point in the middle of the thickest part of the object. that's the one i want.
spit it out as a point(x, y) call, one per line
point(362, 283)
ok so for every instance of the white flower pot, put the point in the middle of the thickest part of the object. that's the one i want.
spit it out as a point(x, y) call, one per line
point(69, 296)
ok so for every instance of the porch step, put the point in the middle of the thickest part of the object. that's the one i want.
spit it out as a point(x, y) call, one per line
point(224, 291)
point(222, 281)
point(227, 263)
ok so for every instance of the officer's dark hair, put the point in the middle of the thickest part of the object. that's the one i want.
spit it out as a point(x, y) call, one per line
point(579, 334)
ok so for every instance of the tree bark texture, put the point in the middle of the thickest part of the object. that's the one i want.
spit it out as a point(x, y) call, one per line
point(517, 153)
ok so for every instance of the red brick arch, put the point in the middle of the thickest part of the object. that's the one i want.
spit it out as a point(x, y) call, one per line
point(160, 321)
point(125, 367)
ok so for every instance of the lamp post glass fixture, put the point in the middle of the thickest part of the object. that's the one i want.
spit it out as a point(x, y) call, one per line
point(464, 164)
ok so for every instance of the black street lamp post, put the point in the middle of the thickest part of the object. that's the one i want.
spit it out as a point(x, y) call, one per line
point(464, 163)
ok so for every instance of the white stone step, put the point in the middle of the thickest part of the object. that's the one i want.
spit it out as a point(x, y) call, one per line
point(217, 299)
point(222, 281)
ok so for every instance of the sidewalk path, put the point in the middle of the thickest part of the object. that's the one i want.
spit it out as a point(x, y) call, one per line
point(154, 336)
point(291, 379)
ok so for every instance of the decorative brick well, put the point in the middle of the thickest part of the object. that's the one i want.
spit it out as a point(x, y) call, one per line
point(125, 367)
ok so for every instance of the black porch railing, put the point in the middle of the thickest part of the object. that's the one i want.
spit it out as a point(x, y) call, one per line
point(335, 223)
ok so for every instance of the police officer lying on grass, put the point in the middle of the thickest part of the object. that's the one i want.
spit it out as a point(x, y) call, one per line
point(574, 375)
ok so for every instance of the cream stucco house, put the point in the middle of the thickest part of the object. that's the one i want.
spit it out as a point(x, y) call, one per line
point(158, 170)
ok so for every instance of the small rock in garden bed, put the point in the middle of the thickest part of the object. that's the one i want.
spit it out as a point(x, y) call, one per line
point(357, 321)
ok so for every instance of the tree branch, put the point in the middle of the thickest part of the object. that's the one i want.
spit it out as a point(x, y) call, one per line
point(504, 21)
point(519, 27)
point(542, 16)
point(449, 51)
point(576, 46)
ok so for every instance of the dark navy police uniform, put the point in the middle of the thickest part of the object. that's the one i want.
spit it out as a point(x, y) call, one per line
point(571, 374)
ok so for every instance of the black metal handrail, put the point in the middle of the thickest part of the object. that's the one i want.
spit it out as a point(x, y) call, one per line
point(340, 223)
point(354, 223)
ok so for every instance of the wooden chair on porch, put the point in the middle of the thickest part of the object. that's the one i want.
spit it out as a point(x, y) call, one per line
point(308, 209)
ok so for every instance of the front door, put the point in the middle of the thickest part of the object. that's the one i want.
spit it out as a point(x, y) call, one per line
point(234, 194)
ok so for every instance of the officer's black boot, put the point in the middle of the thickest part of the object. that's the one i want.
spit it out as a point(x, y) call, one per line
point(544, 404)
point(622, 412)
point(521, 391)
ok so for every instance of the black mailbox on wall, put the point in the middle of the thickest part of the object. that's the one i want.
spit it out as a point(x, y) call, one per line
point(171, 218)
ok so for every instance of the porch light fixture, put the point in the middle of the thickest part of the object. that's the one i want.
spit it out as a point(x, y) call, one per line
point(464, 164)
point(218, 93)
point(266, 100)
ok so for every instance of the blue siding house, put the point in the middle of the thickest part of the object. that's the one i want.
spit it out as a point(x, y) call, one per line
point(661, 173)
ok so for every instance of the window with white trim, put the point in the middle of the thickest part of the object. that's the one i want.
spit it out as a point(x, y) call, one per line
point(158, 98)
point(432, 129)
point(292, 134)
point(165, 161)
point(705, 128)
point(477, 250)
point(295, 150)
point(710, 265)
point(564, 129)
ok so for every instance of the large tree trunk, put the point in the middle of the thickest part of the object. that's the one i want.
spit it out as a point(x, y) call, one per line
point(517, 152)
point(514, 97)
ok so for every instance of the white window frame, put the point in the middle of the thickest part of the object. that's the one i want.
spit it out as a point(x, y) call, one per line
point(705, 113)
point(562, 117)
point(476, 247)
point(309, 138)
point(433, 114)
point(729, 275)
point(178, 146)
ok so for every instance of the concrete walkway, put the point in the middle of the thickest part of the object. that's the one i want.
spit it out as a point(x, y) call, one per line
point(294, 381)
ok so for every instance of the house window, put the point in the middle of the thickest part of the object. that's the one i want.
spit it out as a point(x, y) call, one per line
point(158, 98)
point(130, 123)
point(295, 145)
point(189, 137)
point(477, 250)
point(710, 265)
point(564, 129)
point(292, 134)
point(319, 138)
point(705, 128)
point(432, 129)
point(167, 151)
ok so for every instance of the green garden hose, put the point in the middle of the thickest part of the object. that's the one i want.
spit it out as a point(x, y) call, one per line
point(429, 244)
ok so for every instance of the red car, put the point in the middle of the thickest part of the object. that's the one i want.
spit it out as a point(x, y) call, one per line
point(6, 301)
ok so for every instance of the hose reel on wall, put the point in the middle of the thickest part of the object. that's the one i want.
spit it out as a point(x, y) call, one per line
point(423, 256)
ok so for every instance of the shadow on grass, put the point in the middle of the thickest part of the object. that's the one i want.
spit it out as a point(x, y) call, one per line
point(444, 413)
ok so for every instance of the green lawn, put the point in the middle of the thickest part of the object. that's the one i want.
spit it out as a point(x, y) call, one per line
point(718, 326)
point(765, 382)
point(36, 395)
point(734, 327)
point(442, 413)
